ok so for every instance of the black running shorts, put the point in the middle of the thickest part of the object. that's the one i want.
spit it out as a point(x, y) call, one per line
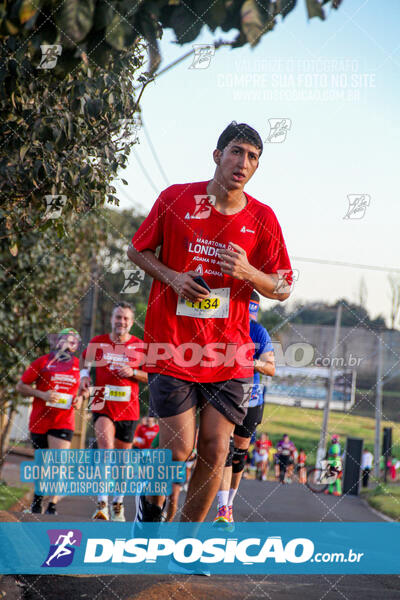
point(39, 440)
point(252, 420)
point(124, 430)
point(170, 396)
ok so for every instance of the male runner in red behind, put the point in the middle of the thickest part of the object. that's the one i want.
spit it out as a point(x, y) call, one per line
point(200, 351)
point(55, 398)
point(145, 433)
point(115, 405)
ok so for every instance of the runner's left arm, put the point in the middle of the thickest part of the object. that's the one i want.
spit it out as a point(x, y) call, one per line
point(235, 263)
point(265, 364)
point(130, 373)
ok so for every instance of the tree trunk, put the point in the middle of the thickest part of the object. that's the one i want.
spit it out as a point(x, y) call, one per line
point(6, 421)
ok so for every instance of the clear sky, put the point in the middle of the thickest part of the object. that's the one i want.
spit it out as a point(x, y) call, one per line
point(338, 83)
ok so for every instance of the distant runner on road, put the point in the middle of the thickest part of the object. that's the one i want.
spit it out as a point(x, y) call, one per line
point(217, 243)
point(115, 405)
point(284, 451)
point(55, 398)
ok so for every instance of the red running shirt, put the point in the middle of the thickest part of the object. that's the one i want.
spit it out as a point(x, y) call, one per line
point(114, 396)
point(147, 434)
point(262, 447)
point(190, 231)
point(63, 377)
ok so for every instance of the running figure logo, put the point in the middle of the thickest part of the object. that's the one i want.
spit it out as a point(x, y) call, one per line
point(203, 54)
point(54, 205)
point(358, 204)
point(50, 54)
point(133, 277)
point(278, 130)
point(61, 551)
point(203, 206)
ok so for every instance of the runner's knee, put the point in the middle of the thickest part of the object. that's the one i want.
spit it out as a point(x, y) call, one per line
point(238, 459)
point(213, 451)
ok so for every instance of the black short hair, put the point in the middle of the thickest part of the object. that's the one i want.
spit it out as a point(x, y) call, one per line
point(124, 305)
point(254, 296)
point(239, 132)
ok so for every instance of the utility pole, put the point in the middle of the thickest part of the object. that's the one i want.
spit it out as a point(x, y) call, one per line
point(89, 307)
point(324, 429)
point(378, 408)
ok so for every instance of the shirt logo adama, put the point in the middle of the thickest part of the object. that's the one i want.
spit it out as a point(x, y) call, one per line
point(62, 547)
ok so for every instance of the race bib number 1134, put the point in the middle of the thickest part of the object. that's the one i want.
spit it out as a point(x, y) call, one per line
point(216, 306)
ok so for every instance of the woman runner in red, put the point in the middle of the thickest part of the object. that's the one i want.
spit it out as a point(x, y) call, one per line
point(55, 397)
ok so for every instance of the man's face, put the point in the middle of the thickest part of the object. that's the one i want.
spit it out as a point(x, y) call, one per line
point(236, 164)
point(68, 343)
point(121, 321)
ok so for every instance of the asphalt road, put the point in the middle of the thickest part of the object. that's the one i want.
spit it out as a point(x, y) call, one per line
point(257, 501)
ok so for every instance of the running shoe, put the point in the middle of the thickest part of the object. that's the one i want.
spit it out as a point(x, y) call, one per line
point(337, 494)
point(177, 568)
point(231, 526)
point(51, 509)
point(117, 512)
point(101, 512)
point(146, 513)
point(36, 506)
point(222, 518)
point(326, 492)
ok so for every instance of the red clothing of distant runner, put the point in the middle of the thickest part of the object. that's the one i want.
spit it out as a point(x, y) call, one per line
point(49, 374)
point(262, 447)
point(190, 231)
point(111, 356)
point(301, 460)
point(147, 434)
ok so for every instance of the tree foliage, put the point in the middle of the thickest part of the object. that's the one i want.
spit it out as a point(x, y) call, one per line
point(65, 129)
point(115, 268)
point(42, 289)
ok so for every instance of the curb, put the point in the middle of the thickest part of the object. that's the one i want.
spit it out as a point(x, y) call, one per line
point(18, 506)
point(29, 452)
point(22, 503)
point(377, 512)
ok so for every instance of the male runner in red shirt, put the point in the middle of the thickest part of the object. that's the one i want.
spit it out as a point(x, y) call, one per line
point(145, 433)
point(55, 396)
point(200, 351)
point(115, 405)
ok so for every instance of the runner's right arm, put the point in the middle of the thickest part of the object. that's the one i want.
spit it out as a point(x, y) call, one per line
point(85, 381)
point(129, 372)
point(181, 283)
point(27, 391)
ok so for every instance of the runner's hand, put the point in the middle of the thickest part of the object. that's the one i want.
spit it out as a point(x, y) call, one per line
point(84, 385)
point(235, 263)
point(77, 402)
point(185, 287)
point(49, 396)
point(126, 372)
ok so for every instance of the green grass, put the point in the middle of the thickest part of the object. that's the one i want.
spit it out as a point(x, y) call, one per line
point(386, 499)
point(304, 425)
point(10, 495)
